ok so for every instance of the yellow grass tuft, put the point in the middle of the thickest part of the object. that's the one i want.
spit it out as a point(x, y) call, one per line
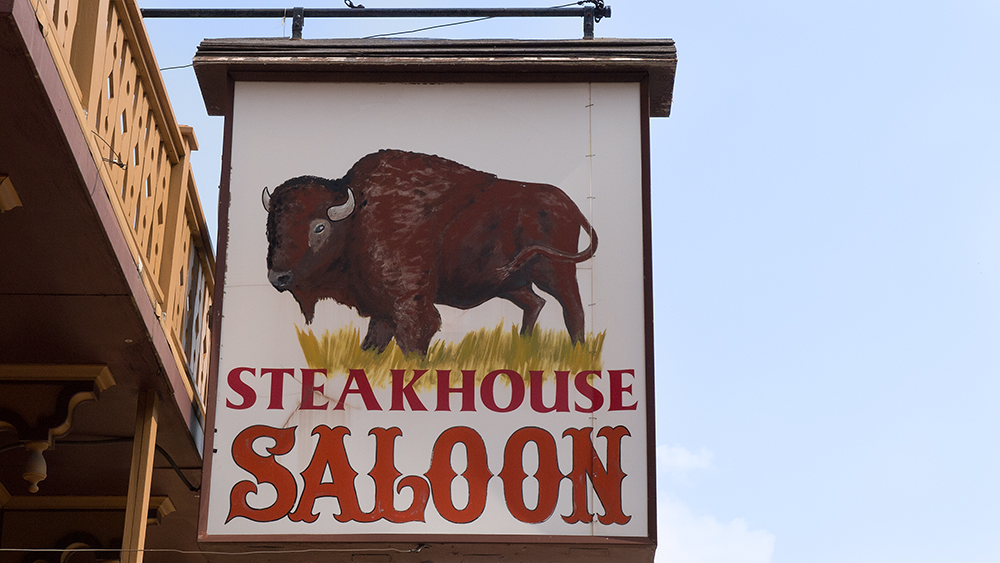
point(483, 350)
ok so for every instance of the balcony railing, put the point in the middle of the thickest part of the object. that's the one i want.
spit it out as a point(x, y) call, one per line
point(106, 62)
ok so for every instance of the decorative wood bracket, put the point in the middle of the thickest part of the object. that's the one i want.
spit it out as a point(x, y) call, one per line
point(38, 401)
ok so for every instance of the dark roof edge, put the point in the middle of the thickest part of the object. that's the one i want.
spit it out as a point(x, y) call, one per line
point(475, 60)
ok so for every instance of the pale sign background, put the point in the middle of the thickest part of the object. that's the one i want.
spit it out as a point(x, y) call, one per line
point(583, 138)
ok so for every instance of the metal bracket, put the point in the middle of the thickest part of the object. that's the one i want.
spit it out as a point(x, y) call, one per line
point(298, 21)
point(588, 22)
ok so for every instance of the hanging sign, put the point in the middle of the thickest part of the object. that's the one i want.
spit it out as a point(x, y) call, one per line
point(434, 315)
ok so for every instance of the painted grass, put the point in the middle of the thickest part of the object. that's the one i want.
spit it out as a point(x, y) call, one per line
point(483, 350)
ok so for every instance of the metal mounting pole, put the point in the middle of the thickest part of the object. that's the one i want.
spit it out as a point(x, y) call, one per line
point(590, 13)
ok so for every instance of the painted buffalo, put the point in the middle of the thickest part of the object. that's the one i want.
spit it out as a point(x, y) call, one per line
point(402, 231)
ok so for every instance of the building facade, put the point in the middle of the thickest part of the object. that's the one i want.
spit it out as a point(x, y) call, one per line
point(106, 282)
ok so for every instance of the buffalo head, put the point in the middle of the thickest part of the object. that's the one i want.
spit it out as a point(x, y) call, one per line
point(307, 225)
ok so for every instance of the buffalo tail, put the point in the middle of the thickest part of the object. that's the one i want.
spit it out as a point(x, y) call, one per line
point(532, 250)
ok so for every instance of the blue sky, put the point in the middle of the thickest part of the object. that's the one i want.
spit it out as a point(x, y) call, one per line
point(826, 202)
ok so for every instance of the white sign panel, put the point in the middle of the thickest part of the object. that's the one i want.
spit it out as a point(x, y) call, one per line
point(433, 315)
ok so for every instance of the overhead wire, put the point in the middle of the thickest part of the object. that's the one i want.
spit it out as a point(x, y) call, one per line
point(463, 22)
point(416, 30)
point(123, 439)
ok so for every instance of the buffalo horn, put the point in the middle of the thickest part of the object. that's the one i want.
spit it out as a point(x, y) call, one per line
point(266, 199)
point(341, 212)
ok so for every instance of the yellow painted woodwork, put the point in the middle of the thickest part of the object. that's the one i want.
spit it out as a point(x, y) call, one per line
point(99, 374)
point(8, 197)
point(103, 55)
point(140, 477)
point(163, 505)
